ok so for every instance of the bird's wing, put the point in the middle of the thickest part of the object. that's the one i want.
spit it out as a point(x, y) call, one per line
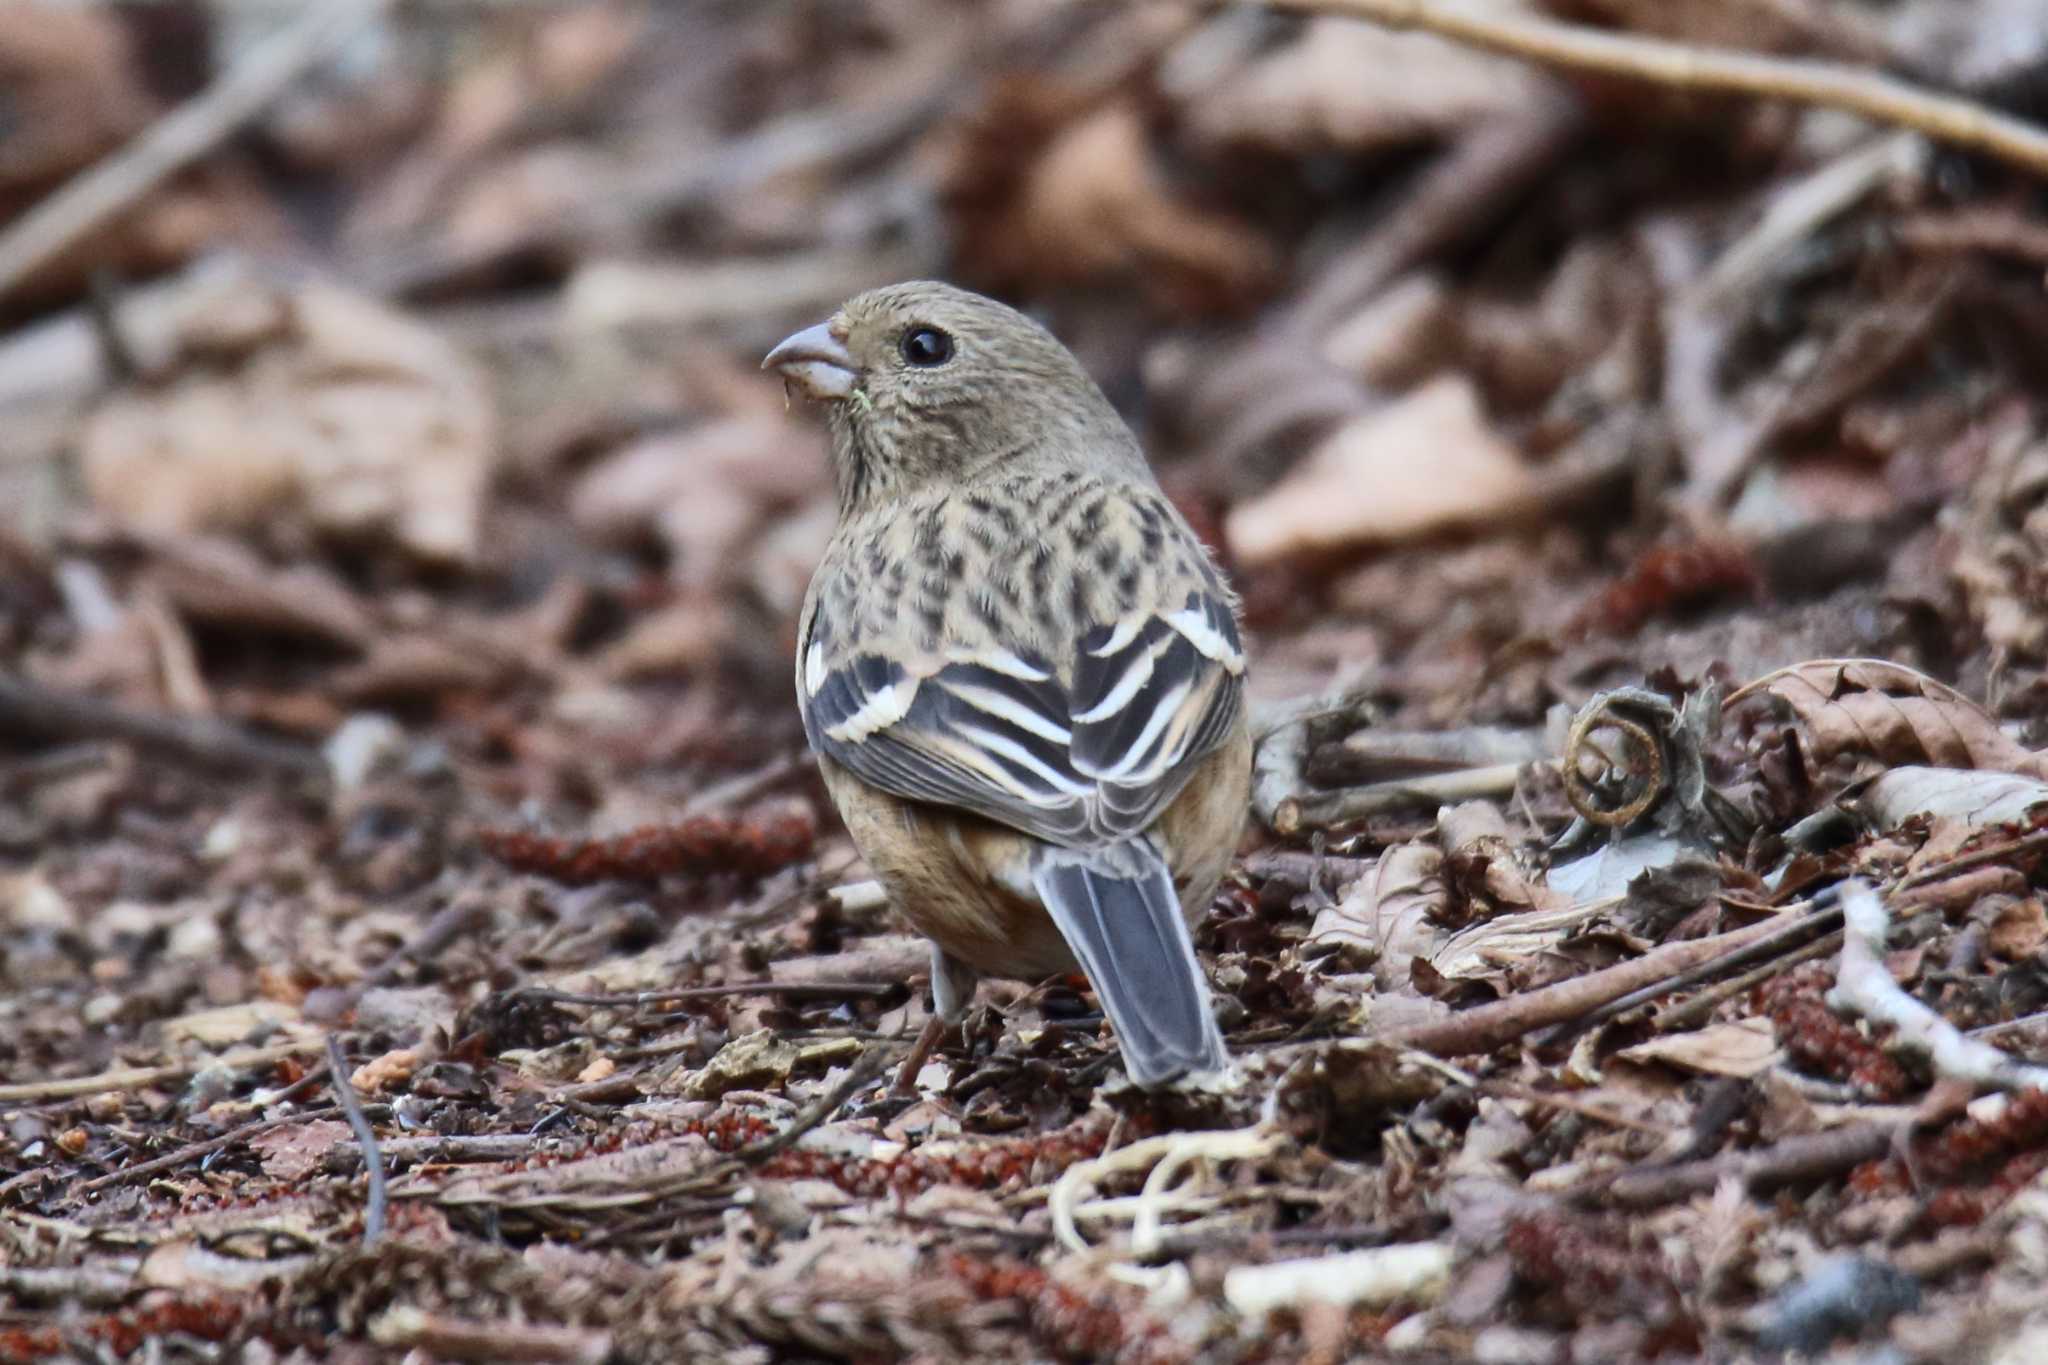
point(995, 730)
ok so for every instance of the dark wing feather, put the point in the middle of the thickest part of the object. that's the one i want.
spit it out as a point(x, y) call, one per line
point(1001, 735)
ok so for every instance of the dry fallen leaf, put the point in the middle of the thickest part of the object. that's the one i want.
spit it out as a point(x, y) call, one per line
point(1045, 194)
point(1886, 711)
point(381, 1073)
point(1973, 799)
point(707, 491)
point(2001, 545)
point(1746, 1047)
point(294, 1151)
point(73, 92)
point(752, 1061)
point(1384, 915)
point(318, 404)
point(253, 1020)
point(1424, 463)
point(2017, 930)
point(1313, 95)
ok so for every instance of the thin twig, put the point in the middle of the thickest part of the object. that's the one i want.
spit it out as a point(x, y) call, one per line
point(1695, 1011)
point(366, 1138)
point(827, 990)
point(1806, 1156)
point(1788, 929)
point(438, 1150)
point(31, 711)
point(864, 1070)
point(1947, 118)
point(442, 1336)
point(1487, 1027)
point(137, 1077)
point(1823, 915)
point(1865, 988)
point(178, 139)
point(192, 1151)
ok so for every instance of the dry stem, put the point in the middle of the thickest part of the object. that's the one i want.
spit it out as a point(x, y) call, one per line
point(177, 140)
point(1947, 118)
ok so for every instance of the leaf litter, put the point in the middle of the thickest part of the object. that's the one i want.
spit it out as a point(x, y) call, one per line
point(1637, 502)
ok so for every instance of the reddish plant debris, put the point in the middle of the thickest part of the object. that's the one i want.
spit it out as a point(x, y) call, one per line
point(124, 1332)
point(1069, 1324)
point(1967, 1146)
point(1597, 1273)
point(1823, 1042)
point(1970, 1205)
point(703, 843)
point(1668, 578)
point(1976, 1164)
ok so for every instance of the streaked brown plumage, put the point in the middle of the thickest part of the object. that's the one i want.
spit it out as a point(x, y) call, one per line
point(1019, 668)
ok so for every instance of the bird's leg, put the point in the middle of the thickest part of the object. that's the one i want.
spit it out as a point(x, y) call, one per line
point(953, 983)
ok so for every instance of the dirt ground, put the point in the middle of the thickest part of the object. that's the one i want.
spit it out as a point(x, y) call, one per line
point(423, 936)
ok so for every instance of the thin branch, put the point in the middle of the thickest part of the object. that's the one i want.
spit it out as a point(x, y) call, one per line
point(1486, 1027)
point(177, 140)
point(136, 1077)
point(1695, 1011)
point(823, 990)
point(193, 1150)
point(865, 1068)
point(1803, 1157)
point(366, 1138)
point(31, 711)
point(1947, 118)
point(1864, 988)
point(445, 1337)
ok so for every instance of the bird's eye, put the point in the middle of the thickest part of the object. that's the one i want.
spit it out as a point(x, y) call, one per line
point(926, 347)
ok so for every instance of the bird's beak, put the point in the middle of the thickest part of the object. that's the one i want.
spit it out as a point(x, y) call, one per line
point(815, 361)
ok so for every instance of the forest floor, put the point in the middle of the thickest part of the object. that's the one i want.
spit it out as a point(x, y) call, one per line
point(423, 935)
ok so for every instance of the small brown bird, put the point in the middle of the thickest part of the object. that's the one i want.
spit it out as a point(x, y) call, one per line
point(1019, 669)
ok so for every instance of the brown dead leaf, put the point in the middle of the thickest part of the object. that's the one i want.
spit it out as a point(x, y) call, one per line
point(1401, 336)
point(379, 1074)
point(1426, 462)
point(1481, 860)
point(252, 1021)
point(2017, 930)
point(223, 583)
point(1384, 918)
point(1969, 798)
point(2001, 547)
point(1315, 94)
point(1048, 190)
point(1886, 711)
point(706, 492)
point(1746, 1047)
point(72, 92)
point(294, 1151)
point(686, 634)
point(350, 415)
point(753, 1061)
point(421, 663)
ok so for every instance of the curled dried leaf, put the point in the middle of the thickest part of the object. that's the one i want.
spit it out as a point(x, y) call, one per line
point(1975, 799)
point(1385, 916)
point(1886, 711)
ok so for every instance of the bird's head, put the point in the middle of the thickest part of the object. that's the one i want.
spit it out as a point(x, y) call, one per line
point(928, 384)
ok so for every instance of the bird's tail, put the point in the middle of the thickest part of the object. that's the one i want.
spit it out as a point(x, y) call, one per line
point(1117, 909)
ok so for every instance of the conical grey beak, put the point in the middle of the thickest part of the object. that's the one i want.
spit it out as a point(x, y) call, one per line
point(815, 361)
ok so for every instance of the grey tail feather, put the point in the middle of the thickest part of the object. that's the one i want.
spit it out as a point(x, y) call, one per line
point(1117, 909)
